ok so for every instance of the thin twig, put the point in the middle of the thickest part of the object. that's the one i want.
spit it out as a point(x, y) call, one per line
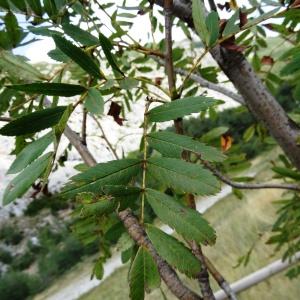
point(5, 119)
point(83, 128)
point(249, 186)
point(212, 5)
point(212, 86)
point(203, 276)
point(110, 146)
point(168, 4)
point(192, 70)
point(205, 83)
point(223, 284)
point(145, 127)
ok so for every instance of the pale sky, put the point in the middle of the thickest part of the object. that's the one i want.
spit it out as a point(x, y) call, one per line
point(140, 30)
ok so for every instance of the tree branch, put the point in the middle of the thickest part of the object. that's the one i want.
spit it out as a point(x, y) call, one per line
point(212, 86)
point(168, 44)
point(223, 284)
point(5, 119)
point(249, 186)
point(257, 98)
point(168, 275)
point(203, 276)
point(110, 146)
point(76, 141)
point(212, 5)
point(205, 83)
point(83, 128)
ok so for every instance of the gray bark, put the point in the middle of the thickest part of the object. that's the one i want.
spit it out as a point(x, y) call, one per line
point(257, 98)
point(166, 272)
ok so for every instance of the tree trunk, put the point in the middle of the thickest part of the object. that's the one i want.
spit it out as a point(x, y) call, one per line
point(257, 98)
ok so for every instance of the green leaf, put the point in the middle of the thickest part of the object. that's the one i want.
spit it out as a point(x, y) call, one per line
point(5, 97)
point(43, 30)
point(107, 48)
point(98, 270)
point(80, 35)
point(50, 7)
point(292, 67)
point(21, 183)
point(172, 145)
point(4, 4)
point(128, 83)
point(58, 55)
point(214, 134)
point(174, 252)
point(120, 190)
point(285, 172)
point(183, 176)
point(198, 12)
point(116, 172)
point(51, 88)
point(212, 23)
point(4, 41)
point(94, 102)
point(36, 6)
point(30, 153)
point(261, 18)
point(18, 67)
point(12, 28)
point(61, 125)
point(186, 221)
point(19, 4)
point(143, 274)
point(78, 56)
point(100, 207)
point(33, 122)
point(231, 27)
point(180, 108)
point(249, 133)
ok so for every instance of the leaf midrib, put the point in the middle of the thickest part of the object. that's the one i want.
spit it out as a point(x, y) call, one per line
point(101, 178)
point(172, 171)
